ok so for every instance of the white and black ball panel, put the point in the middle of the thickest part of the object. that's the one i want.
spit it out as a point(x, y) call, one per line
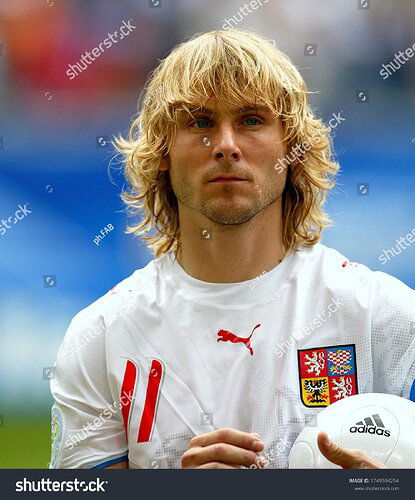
point(381, 425)
point(377, 421)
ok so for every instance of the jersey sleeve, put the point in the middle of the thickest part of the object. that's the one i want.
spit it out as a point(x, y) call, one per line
point(393, 336)
point(87, 429)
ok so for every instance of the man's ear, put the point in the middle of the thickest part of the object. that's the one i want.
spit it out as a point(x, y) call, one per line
point(164, 163)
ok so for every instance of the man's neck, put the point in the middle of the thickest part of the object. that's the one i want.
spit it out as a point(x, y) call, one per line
point(231, 253)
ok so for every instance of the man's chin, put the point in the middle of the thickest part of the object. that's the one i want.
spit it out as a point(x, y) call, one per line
point(230, 217)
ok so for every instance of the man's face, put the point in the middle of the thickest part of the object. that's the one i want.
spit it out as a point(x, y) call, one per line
point(242, 145)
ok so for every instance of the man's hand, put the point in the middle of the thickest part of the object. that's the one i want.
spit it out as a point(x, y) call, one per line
point(346, 458)
point(223, 449)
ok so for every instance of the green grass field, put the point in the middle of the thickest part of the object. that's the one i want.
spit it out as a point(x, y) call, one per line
point(25, 444)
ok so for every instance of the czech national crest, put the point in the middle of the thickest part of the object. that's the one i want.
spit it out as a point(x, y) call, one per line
point(327, 374)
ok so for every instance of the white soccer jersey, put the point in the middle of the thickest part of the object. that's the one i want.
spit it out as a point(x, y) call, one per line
point(163, 357)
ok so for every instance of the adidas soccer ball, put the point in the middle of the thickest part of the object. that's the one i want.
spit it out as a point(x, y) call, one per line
point(380, 425)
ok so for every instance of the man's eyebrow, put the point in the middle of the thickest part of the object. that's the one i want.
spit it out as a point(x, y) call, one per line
point(253, 108)
point(202, 109)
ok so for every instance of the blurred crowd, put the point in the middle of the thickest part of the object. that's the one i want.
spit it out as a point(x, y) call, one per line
point(39, 39)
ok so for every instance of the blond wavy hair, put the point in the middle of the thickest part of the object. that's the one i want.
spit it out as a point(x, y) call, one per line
point(237, 67)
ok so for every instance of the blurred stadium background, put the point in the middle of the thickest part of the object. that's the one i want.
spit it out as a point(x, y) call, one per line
point(55, 156)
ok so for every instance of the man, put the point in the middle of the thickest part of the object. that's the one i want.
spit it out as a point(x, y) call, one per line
point(244, 326)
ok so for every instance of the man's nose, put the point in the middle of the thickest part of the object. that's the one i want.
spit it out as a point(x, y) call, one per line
point(225, 145)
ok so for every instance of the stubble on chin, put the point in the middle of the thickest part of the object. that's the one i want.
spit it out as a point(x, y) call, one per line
point(222, 211)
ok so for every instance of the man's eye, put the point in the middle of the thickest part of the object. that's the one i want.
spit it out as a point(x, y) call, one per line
point(252, 118)
point(200, 123)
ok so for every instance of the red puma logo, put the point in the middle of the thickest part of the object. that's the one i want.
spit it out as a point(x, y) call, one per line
point(224, 335)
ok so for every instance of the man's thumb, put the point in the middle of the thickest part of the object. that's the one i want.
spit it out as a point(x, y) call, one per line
point(348, 459)
point(333, 452)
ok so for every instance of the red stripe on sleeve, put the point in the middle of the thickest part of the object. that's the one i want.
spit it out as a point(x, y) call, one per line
point(127, 392)
point(153, 385)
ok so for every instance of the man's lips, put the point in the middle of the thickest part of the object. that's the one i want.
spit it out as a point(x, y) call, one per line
point(224, 178)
